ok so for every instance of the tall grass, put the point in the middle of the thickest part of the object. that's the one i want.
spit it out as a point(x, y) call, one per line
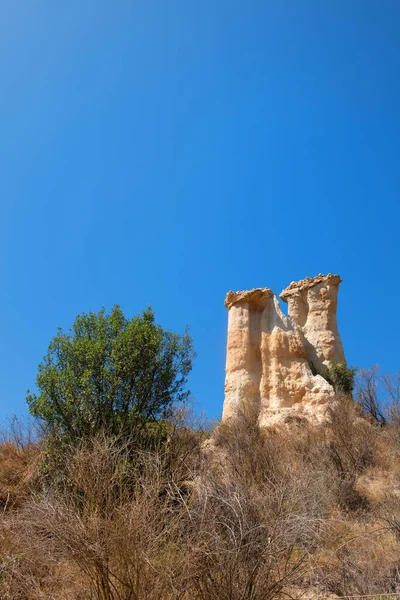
point(249, 514)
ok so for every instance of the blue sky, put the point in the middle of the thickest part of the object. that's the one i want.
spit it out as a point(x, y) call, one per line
point(163, 153)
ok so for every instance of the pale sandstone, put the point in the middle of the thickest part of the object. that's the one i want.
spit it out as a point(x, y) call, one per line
point(271, 357)
point(312, 304)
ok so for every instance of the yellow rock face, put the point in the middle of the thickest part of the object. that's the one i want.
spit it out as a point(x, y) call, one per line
point(271, 358)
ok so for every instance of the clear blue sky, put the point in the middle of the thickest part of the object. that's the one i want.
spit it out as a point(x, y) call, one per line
point(163, 153)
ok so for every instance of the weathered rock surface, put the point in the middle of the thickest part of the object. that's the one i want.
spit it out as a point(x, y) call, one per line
point(271, 357)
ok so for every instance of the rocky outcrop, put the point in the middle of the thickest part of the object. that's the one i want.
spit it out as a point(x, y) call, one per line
point(272, 359)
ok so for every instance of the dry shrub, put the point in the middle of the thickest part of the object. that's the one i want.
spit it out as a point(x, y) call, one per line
point(117, 519)
point(250, 453)
point(162, 524)
point(26, 575)
point(254, 543)
point(18, 473)
point(20, 453)
point(352, 444)
point(19, 459)
point(361, 558)
point(267, 512)
point(331, 456)
point(254, 515)
point(320, 466)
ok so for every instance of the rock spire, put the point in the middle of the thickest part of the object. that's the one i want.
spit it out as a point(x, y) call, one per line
point(272, 359)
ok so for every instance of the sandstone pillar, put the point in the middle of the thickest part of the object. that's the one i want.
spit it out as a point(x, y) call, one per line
point(243, 360)
point(312, 304)
point(272, 359)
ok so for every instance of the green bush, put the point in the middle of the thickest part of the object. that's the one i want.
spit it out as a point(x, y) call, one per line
point(339, 375)
point(111, 374)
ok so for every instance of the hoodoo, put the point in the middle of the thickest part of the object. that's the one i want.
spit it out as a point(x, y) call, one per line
point(272, 359)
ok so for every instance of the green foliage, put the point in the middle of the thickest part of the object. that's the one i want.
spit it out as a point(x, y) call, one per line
point(110, 373)
point(339, 375)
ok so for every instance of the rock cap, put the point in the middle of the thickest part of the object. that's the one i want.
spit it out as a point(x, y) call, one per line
point(256, 298)
point(297, 286)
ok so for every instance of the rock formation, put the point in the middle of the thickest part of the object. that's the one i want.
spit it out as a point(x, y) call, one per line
point(272, 359)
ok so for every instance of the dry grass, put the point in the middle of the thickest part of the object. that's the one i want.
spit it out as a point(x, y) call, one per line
point(253, 515)
point(19, 461)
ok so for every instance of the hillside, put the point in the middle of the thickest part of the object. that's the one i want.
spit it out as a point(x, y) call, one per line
point(124, 495)
point(252, 514)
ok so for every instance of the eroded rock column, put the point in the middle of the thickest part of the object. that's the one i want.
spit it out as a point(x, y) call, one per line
point(272, 359)
point(243, 358)
point(312, 304)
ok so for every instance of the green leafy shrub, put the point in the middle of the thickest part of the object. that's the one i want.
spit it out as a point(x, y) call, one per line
point(113, 374)
point(339, 375)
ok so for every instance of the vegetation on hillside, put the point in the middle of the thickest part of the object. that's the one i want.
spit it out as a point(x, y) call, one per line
point(110, 374)
point(340, 376)
point(246, 514)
